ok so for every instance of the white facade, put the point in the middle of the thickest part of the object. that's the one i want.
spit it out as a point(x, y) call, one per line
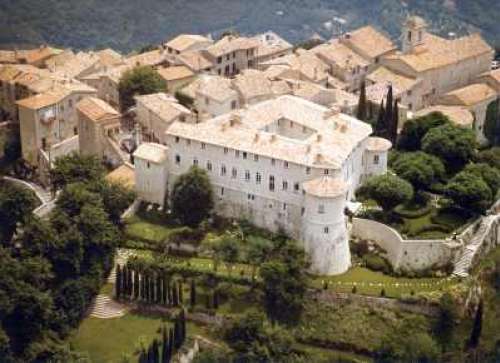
point(286, 165)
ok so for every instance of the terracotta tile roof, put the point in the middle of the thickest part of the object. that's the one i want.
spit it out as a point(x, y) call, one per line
point(469, 95)
point(109, 57)
point(378, 144)
point(42, 100)
point(326, 187)
point(165, 107)
point(230, 44)
point(175, 72)
point(383, 74)
point(96, 109)
point(38, 55)
point(8, 56)
point(340, 55)
point(123, 175)
point(183, 42)
point(216, 87)
point(437, 52)
point(195, 61)
point(270, 43)
point(151, 58)
point(252, 83)
point(370, 42)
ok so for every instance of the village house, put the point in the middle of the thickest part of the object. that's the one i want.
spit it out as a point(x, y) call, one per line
point(369, 43)
point(284, 164)
point(492, 79)
point(271, 46)
point(155, 114)
point(187, 43)
point(476, 98)
point(176, 77)
point(441, 65)
point(49, 124)
point(99, 125)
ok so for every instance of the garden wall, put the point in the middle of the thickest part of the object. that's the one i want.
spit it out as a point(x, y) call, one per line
point(412, 255)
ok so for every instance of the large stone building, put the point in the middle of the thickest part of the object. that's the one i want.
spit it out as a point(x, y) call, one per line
point(285, 164)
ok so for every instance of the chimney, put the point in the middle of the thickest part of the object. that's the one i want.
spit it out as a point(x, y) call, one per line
point(319, 138)
point(273, 138)
point(256, 137)
point(343, 128)
point(234, 119)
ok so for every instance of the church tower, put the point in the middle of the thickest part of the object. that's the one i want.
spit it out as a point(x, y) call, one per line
point(413, 33)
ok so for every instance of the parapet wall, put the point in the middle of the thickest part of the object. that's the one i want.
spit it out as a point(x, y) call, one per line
point(413, 255)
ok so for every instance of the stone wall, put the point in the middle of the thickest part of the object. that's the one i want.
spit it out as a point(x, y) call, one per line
point(405, 254)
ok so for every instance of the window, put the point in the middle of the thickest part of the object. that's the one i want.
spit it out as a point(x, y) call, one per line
point(247, 175)
point(326, 230)
point(321, 209)
point(234, 173)
point(233, 105)
point(75, 130)
point(177, 159)
point(188, 142)
point(226, 150)
point(221, 192)
point(271, 183)
point(296, 187)
point(326, 171)
point(237, 153)
point(195, 161)
point(203, 146)
point(409, 36)
point(207, 101)
point(245, 155)
point(308, 170)
point(70, 103)
point(285, 164)
point(285, 185)
point(209, 166)
point(177, 139)
point(376, 159)
point(228, 57)
point(258, 178)
point(223, 170)
point(219, 60)
point(302, 211)
point(284, 206)
point(273, 162)
point(251, 197)
point(256, 158)
point(148, 165)
point(410, 106)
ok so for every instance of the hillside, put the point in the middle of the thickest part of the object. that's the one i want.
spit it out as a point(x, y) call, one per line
point(127, 24)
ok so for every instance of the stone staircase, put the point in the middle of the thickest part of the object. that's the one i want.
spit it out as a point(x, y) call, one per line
point(466, 258)
point(105, 307)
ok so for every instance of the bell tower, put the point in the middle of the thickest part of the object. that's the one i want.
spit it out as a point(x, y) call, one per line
point(414, 31)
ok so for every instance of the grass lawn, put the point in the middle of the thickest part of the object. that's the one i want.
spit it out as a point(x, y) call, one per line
point(109, 340)
point(370, 282)
point(142, 228)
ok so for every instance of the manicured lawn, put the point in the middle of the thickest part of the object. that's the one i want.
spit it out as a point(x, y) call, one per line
point(370, 282)
point(144, 229)
point(109, 340)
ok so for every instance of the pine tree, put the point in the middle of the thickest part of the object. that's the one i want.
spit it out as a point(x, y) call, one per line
point(477, 327)
point(395, 123)
point(362, 111)
point(192, 295)
point(379, 126)
point(118, 282)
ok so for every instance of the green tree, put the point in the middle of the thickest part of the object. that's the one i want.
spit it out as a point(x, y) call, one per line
point(393, 134)
point(410, 138)
point(380, 124)
point(75, 168)
point(118, 282)
point(477, 328)
point(141, 80)
point(492, 123)
point(361, 113)
point(389, 113)
point(192, 293)
point(419, 169)
point(446, 320)
point(387, 190)
point(192, 197)
point(284, 282)
point(469, 191)
point(227, 249)
point(12, 147)
point(258, 252)
point(16, 203)
point(454, 145)
point(490, 175)
point(490, 157)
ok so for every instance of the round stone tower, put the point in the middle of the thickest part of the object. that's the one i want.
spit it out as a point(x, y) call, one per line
point(324, 229)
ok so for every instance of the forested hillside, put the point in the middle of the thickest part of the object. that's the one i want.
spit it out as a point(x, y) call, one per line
point(130, 24)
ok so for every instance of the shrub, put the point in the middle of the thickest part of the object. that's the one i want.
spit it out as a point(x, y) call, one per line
point(406, 212)
point(187, 235)
point(377, 263)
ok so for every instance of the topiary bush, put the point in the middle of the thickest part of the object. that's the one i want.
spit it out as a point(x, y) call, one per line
point(377, 263)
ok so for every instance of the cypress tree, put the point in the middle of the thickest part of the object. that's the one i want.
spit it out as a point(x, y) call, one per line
point(192, 293)
point(124, 280)
point(362, 111)
point(207, 302)
point(216, 299)
point(175, 295)
point(151, 296)
point(165, 290)
point(395, 123)
point(183, 325)
point(389, 112)
point(379, 126)
point(477, 327)
point(171, 339)
point(170, 293)
point(136, 284)
point(159, 285)
point(118, 282)
point(129, 282)
point(143, 286)
point(177, 333)
point(146, 287)
point(181, 294)
point(370, 111)
point(156, 352)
